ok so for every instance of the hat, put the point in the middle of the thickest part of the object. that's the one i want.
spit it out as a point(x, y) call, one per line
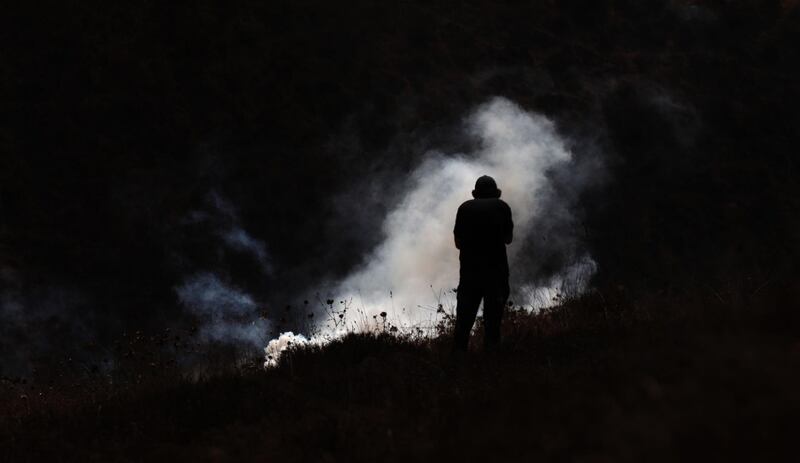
point(485, 187)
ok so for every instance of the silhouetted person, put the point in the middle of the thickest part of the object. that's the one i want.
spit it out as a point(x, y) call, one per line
point(483, 229)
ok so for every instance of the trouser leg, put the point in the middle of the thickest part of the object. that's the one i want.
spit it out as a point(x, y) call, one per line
point(468, 299)
point(493, 307)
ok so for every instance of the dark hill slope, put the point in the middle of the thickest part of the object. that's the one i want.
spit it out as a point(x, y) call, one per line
point(600, 379)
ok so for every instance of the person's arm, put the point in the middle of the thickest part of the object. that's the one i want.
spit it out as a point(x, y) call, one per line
point(457, 230)
point(508, 234)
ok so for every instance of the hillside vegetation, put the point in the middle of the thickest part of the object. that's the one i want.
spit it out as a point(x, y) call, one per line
point(598, 378)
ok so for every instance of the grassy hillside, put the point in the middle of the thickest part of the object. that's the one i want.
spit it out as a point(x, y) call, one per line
point(600, 378)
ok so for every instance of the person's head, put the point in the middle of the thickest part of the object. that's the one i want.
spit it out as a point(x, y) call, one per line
point(485, 187)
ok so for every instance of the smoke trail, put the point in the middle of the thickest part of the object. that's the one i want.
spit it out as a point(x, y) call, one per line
point(226, 312)
point(221, 217)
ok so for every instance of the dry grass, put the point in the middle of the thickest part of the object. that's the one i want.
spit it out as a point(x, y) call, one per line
point(605, 377)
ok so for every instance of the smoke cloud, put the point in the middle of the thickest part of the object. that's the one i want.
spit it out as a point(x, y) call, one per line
point(226, 312)
point(413, 271)
point(519, 149)
point(280, 344)
point(408, 279)
point(235, 237)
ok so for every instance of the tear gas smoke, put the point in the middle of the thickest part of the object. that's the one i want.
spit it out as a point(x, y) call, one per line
point(279, 345)
point(225, 311)
point(416, 266)
point(220, 216)
point(519, 150)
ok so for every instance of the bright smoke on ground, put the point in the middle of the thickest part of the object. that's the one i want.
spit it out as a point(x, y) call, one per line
point(408, 279)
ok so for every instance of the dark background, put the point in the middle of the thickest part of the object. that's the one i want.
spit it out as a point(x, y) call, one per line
point(118, 121)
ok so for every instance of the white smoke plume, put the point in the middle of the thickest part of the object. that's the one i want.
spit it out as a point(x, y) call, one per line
point(518, 149)
point(416, 266)
point(280, 344)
